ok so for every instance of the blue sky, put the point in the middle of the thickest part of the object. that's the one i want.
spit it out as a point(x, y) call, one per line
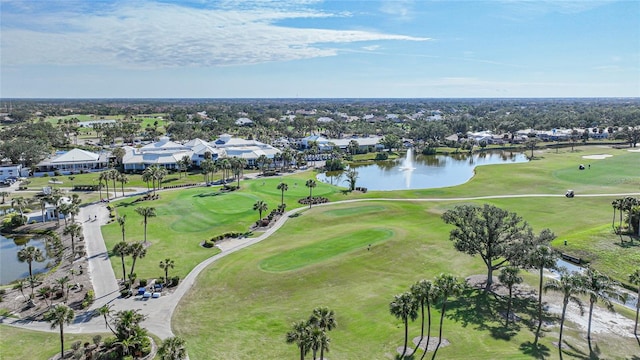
point(328, 49)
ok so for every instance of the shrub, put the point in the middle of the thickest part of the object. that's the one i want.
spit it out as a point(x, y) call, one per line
point(97, 339)
point(45, 175)
point(78, 354)
point(57, 173)
point(76, 345)
point(209, 243)
point(382, 156)
point(334, 165)
point(125, 294)
point(143, 282)
point(174, 281)
point(89, 297)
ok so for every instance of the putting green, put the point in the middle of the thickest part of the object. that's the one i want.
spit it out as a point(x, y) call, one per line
point(323, 250)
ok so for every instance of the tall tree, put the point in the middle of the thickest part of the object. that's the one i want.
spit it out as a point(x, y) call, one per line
point(444, 287)
point(634, 278)
point(569, 284)
point(599, 287)
point(352, 177)
point(299, 335)
point(310, 184)
point(260, 206)
point(104, 178)
point(122, 220)
point(58, 316)
point(74, 231)
point(487, 231)
point(122, 249)
point(542, 257)
point(509, 277)
point(422, 291)
point(137, 251)
point(405, 308)
point(29, 254)
point(105, 311)
point(325, 319)
point(123, 179)
point(282, 187)
point(146, 212)
point(165, 265)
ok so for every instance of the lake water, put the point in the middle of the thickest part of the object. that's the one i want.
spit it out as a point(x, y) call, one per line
point(10, 268)
point(423, 171)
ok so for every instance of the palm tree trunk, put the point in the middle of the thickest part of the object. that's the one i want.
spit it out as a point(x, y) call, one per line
point(428, 330)
point(435, 351)
point(406, 335)
point(145, 229)
point(302, 352)
point(421, 327)
point(539, 309)
point(124, 271)
point(133, 265)
point(564, 311)
point(61, 341)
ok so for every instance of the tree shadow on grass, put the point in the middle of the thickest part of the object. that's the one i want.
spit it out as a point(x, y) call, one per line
point(487, 311)
point(577, 353)
point(537, 351)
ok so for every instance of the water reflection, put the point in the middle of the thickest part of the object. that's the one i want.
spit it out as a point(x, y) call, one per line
point(428, 171)
point(10, 268)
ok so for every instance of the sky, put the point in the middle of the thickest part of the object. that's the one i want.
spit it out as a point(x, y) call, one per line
point(319, 49)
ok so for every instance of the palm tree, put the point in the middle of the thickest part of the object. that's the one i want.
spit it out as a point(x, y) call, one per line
point(634, 278)
point(404, 307)
point(617, 205)
point(113, 175)
point(540, 258)
point(20, 286)
point(282, 187)
point(137, 251)
point(58, 316)
point(261, 206)
point(299, 335)
point(509, 277)
point(310, 184)
point(122, 249)
point(325, 319)
point(599, 287)
point(444, 286)
point(123, 179)
point(29, 254)
point(352, 177)
point(105, 310)
point(317, 339)
point(122, 220)
point(173, 349)
point(146, 212)
point(569, 285)
point(45, 292)
point(422, 291)
point(74, 230)
point(4, 194)
point(104, 177)
point(165, 265)
point(62, 284)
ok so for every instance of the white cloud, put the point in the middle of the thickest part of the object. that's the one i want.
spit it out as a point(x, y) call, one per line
point(400, 9)
point(371, 47)
point(152, 35)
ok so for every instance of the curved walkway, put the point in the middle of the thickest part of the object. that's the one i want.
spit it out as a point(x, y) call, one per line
point(159, 311)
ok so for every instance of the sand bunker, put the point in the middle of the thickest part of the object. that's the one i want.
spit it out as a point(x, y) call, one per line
point(634, 150)
point(597, 157)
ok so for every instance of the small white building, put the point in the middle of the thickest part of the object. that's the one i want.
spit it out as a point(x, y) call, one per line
point(13, 171)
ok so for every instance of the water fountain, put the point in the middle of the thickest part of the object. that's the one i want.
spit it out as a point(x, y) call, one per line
point(407, 163)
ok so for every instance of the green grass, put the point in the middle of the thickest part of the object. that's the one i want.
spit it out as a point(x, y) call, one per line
point(324, 249)
point(16, 343)
point(239, 298)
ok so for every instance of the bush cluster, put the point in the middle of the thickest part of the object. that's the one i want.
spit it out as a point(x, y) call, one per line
point(89, 297)
point(313, 200)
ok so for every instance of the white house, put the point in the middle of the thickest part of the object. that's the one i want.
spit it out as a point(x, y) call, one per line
point(74, 161)
point(167, 153)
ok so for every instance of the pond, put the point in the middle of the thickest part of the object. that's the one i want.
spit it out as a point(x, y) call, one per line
point(10, 268)
point(423, 171)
